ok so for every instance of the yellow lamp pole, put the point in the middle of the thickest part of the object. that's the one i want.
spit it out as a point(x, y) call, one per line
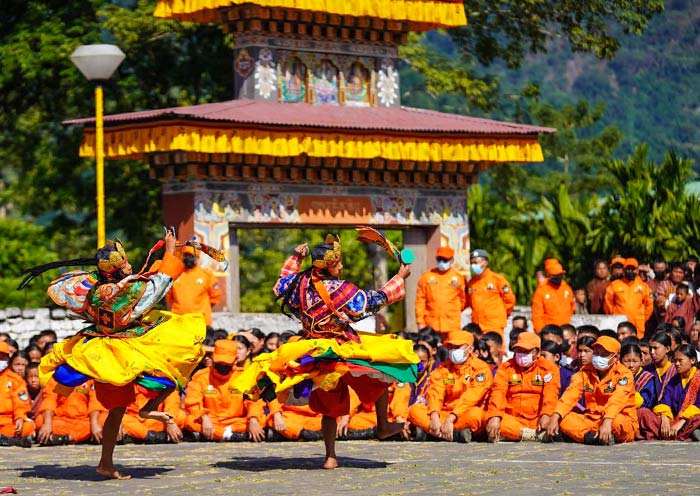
point(98, 63)
point(100, 165)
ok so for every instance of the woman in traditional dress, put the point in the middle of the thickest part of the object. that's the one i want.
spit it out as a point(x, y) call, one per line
point(128, 344)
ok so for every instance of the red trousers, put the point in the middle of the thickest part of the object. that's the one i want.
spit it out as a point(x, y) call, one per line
point(336, 402)
point(650, 426)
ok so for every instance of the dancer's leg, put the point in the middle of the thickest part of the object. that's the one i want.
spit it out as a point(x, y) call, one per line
point(386, 429)
point(329, 426)
point(150, 409)
point(110, 431)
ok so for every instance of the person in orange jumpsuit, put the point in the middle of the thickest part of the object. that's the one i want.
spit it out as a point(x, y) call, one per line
point(630, 296)
point(553, 301)
point(524, 394)
point(441, 296)
point(196, 290)
point(362, 420)
point(489, 295)
point(292, 418)
point(150, 430)
point(15, 427)
point(70, 419)
point(453, 402)
point(214, 410)
point(609, 392)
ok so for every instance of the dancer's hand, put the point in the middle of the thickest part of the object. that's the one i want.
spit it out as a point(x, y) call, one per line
point(302, 250)
point(404, 271)
point(255, 432)
point(170, 242)
point(173, 431)
point(278, 422)
point(207, 427)
point(343, 425)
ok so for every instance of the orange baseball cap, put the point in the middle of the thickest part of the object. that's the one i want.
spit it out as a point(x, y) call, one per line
point(631, 262)
point(552, 267)
point(617, 260)
point(4, 347)
point(190, 250)
point(459, 338)
point(445, 252)
point(225, 351)
point(528, 341)
point(609, 344)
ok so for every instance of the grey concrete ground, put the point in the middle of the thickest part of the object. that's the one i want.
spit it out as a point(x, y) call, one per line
point(368, 468)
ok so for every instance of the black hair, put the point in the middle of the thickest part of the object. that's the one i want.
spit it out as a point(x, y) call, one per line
point(628, 325)
point(429, 338)
point(599, 261)
point(661, 338)
point(48, 347)
point(513, 337)
point(483, 346)
point(14, 344)
point(630, 348)
point(32, 347)
point(682, 285)
point(244, 341)
point(552, 329)
point(18, 354)
point(49, 332)
point(474, 329)
point(284, 337)
point(493, 336)
point(687, 350)
point(630, 340)
point(257, 333)
point(442, 354)
point(519, 317)
point(219, 334)
point(675, 335)
point(567, 326)
point(551, 347)
point(208, 341)
point(681, 322)
point(421, 347)
point(608, 332)
point(587, 329)
point(586, 341)
point(31, 366)
point(272, 335)
point(674, 265)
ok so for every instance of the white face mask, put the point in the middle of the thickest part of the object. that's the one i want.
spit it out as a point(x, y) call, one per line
point(525, 360)
point(477, 269)
point(601, 363)
point(458, 356)
point(3, 365)
point(443, 266)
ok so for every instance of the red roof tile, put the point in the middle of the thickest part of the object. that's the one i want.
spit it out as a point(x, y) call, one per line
point(301, 115)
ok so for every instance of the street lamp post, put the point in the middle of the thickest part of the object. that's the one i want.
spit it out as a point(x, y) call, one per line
point(98, 63)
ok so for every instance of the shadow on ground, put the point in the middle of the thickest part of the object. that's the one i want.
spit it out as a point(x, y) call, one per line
point(263, 464)
point(87, 472)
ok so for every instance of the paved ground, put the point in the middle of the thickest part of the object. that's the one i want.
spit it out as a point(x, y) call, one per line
point(369, 468)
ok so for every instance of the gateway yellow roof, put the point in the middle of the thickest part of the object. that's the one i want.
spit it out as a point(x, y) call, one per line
point(422, 14)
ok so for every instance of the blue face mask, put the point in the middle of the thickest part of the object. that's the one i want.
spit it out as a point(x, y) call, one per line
point(477, 269)
point(600, 363)
point(443, 265)
point(458, 356)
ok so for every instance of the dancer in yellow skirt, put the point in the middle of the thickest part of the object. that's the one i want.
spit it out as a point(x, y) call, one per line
point(332, 356)
point(129, 344)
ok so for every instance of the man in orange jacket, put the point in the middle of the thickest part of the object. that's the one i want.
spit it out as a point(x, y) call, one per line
point(70, 419)
point(524, 393)
point(451, 407)
point(608, 389)
point(489, 296)
point(553, 301)
point(196, 290)
point(15, 427)
point(214, 409)
point(441, 296)
point(292, 418)
point(150, 430)
point(630, 296)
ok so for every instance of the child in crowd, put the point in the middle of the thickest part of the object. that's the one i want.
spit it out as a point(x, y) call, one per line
point(272, 341)
point(18, 362)
point(551, 352)
point(36, 392)
point(644, 383)
point(662, 368)
point(677, 416)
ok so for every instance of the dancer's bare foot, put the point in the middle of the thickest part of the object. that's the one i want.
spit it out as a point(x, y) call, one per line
point(111, 473)
point(390, 429)
point(155, 415)
point(330, 463)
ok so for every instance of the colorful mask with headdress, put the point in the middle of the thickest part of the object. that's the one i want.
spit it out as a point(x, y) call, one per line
point(327, 254)
point(111, 258)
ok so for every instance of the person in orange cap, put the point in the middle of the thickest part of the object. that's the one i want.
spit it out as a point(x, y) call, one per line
point(196, 290)
point(617, 268)
point(451, 406)
point(15, 427)
point(553, 301)
point(489, 295)
point(214, 410)
point(524, 393)
point(608, 389)
point(630, 296)
point(441, 295)
point(70, 419)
